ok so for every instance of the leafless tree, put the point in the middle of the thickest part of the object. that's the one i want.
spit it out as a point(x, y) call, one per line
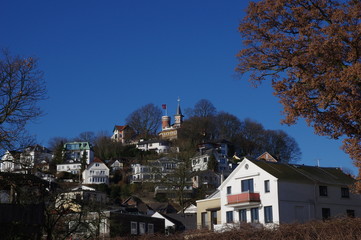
point(21, 88)
point(145, 121)
point(203, 108)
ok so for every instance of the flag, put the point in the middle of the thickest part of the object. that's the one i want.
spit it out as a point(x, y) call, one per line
point(164, 106)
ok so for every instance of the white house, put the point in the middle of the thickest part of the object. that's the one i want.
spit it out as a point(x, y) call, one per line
point(20, 161)
point(96, 173)
point(68, 198)
point(10, 161)
point(70, 167)
point(122, 134)
point(75, 151)
point(206, 151)
point(154, 171)
point(115, 165)
point(159, 146)
point(259, 191)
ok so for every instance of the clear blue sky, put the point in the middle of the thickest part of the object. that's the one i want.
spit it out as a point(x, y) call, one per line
point(104, 59)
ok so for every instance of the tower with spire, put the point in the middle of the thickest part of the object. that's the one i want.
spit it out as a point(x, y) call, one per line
point(171, 131)
point(178, 117)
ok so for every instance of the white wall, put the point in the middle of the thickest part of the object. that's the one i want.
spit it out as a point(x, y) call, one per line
point(259, 176)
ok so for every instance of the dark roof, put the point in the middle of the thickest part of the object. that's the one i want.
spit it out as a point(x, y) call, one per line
point(302, 173)
point(135, 203)
point(206, 173)
point(163, 207)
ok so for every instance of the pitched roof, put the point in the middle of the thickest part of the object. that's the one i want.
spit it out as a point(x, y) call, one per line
point(97, 160)
point(296, 173)
point(163, 207)
point(267, 157)
point(302, 173)
point(120, 128)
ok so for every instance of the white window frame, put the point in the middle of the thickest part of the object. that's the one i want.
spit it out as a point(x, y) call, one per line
point(141, 228)
point(134, 228)
point(150, 228)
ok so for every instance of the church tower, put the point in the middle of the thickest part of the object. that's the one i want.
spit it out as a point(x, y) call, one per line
point(178, 117)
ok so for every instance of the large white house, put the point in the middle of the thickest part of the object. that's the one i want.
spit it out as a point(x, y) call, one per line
point(76, 151)
point(259, 191)
point(21, 161)
point(159, 146)
point(96, 173)
point(70, 166)
point(207, 151)
point(154, 170)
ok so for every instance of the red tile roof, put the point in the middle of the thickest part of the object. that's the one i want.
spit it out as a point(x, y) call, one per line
point(120, 128)
point(97, 160)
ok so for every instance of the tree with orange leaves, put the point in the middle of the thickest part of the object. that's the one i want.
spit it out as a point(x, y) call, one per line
point(311, 51)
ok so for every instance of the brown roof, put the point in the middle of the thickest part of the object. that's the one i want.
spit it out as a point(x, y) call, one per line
point(120, 128)
point(97, 160)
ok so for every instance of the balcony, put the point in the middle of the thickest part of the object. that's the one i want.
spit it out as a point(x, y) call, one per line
point(246, 198)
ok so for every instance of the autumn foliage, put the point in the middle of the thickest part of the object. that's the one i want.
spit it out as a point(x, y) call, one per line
point(311, 51)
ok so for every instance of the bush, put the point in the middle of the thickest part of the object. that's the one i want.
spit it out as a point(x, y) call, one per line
point(334, 229)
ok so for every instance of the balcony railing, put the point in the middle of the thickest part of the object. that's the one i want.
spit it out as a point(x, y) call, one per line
point(245, 197)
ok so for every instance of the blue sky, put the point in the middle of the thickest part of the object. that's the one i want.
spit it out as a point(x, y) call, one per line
point(104, 59)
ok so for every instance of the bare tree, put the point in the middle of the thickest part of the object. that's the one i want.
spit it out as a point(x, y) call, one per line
point(21, 88)
point(203, 108)
point(145, 121)
point(87, 136)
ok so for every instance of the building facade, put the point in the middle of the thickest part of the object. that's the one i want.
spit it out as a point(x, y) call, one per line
point(268, 193)
point(96, 173)
point(170, 131)
point(76, 151)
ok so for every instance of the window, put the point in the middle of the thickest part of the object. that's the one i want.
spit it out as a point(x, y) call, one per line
point(133, 228)
point(214, 217)
point(229, 190)
point(254, 215)
point(266, 186)
point(229, 216)
point(247, 185)
point(345, 192)
point(323, 191)
point(268, 217)
point(141, 228)
point(350, 213)
point(243, 215)
point(204, 217)
point(326, 213)
point(204, 159)
point(150, 228)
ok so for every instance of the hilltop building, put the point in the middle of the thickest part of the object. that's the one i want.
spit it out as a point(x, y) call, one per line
point(170, 131)
point(122, 134)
